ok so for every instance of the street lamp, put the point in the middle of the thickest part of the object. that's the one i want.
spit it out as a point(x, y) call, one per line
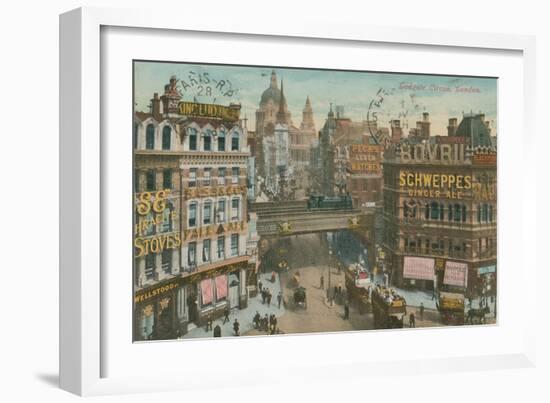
point(331, 301)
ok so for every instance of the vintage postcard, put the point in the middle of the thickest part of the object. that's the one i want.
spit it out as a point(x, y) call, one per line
point(275, 200)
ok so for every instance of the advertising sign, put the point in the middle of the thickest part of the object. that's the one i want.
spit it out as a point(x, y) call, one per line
point(418, 268)
point(365, 159)
point(213, 111)
point(456, 273)
point(487, 269)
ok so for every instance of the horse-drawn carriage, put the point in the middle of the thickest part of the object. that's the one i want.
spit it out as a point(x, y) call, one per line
point(300, 300)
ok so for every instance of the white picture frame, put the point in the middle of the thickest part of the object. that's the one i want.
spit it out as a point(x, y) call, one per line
point(84, 345)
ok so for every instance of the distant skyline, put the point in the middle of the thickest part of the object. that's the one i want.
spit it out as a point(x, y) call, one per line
point(406, 95)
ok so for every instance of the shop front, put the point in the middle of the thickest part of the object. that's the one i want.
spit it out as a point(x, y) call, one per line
point(155, 313)
point(206, 295)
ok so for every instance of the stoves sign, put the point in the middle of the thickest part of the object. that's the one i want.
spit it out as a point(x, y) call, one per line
point(152, 211)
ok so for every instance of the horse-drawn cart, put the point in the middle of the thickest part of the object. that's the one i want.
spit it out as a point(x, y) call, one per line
point(300, 300)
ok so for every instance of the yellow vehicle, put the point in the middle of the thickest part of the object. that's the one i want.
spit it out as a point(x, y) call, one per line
point(451, 307)
point(388, 308)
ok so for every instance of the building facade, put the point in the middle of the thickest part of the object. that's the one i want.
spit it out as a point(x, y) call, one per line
point(191, 224)
point(440, 213)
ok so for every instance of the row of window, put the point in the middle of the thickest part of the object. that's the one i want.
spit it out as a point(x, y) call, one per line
point(213, 212)
point(208, 141)
point(207, 176)
point(192, 257)
point(206, 253)
point(453, 247)
point(166, 225)
point(435, 246)
point(150, 263)
point(453, 212)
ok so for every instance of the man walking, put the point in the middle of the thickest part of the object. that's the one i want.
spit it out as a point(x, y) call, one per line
point(236, 327)
point(346, 311)
point(226, 315)
point(421, 311)
point(268, 298)
point(279, 299)
point(264, 295)
point(322, 282)
point(260, 287)
point(217, 331)
point(412, 320)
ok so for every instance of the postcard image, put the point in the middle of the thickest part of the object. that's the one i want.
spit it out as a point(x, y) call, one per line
point(273, 200)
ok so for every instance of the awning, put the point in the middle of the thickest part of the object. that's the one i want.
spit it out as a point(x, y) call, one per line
point(456, 273)
point(221, 287)
point(418, 268)
point(206, 291)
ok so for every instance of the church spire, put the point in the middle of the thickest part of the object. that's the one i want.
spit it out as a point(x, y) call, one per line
point(273, 79)
point(281, 114)
point(307, 116)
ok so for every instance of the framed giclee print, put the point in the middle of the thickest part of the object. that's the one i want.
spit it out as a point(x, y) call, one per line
point(288, 190)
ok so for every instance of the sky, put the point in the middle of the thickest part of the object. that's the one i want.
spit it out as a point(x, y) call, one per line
point(384, 95)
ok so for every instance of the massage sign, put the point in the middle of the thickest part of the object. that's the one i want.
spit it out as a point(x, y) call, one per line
point(153, 211)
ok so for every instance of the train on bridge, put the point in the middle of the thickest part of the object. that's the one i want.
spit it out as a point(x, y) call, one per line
point(319, 202)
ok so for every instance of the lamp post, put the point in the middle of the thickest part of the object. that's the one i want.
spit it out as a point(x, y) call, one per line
point(329, 289)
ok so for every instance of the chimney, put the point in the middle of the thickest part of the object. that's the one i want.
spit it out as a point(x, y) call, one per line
point(425, 117)
point(155, 111)
point(453, 125)
point(396, 130)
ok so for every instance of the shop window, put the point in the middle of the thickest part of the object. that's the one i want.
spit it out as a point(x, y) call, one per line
point(234, 209)
point(192, 139)
point(235, 175)
point(206, 256)
point(221, 247)
point(235, 141)
point(166, 137)
point(221, 211)
point(234, 244)
point(434, 211)
point(192, 177)
point(149, 226)
point(135, 138)
point(167, 179)
point(147, 322)
point(192, 254)
point(166, 225)
point(149, 266)
point(207, 213)
point(221, 140)
point(457, 212)
point(150, 180)
point(221, 176)
point(207, 140)
point(207, 176)
point(479, 213)
point(485, 213)
point(150, 137)
point(192, 215)
point(167, 261)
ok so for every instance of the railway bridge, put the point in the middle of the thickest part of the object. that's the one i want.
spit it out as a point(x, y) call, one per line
point(295, 218)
